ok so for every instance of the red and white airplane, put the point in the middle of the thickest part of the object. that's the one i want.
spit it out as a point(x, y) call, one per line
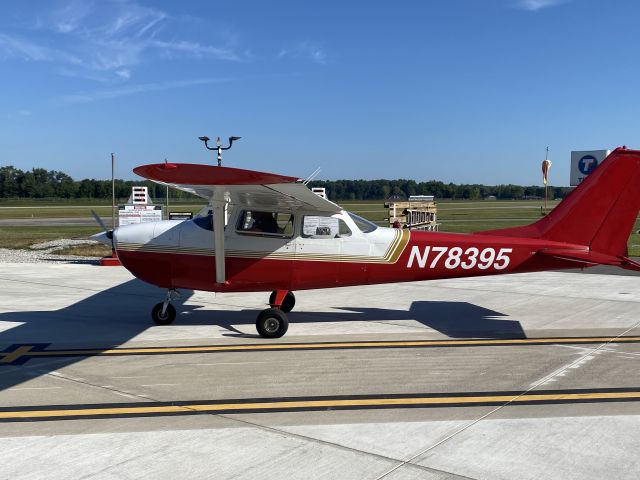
point(268, 232)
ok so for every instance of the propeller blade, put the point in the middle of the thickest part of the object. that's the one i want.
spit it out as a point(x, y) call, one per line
point(99, 220)
point(108, 234)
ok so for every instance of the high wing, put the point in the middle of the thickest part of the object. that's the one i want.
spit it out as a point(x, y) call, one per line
point(237, 186)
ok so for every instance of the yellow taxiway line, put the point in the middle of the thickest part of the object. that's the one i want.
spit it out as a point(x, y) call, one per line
point(20, 353)
point(327, 403)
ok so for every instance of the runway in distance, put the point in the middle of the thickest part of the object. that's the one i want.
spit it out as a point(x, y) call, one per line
point(268, 232)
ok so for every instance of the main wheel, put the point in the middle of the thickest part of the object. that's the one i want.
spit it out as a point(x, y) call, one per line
point(287, 304)
point(272, 323)
point(166, 319)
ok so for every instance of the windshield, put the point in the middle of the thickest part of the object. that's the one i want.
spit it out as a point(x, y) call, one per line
point(204, 220)
point(363, 224)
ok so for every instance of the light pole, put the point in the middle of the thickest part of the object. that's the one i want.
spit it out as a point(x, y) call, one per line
point(113, 192)
point(165, 161)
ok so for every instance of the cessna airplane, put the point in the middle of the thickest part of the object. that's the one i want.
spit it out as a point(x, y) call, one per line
point(268, 232)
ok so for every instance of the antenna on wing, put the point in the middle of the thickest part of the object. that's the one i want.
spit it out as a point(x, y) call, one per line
point(218, 146)
point(312, 176)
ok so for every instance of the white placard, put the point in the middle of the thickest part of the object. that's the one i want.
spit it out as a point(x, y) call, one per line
point(320, 226)
point(133, 214)
point(584, 162)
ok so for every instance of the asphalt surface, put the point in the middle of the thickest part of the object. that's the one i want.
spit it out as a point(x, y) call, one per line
point(46, 222)
point(515, 376)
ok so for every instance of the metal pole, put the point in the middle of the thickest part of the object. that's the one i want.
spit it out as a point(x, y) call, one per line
point(113, 192)
point(167, 202)
point(545, 199)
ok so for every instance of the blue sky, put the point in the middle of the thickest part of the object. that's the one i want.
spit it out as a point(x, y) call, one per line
point(456, 90)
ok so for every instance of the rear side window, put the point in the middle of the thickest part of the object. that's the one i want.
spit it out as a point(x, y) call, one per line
point(316, 226)
point(266, 223)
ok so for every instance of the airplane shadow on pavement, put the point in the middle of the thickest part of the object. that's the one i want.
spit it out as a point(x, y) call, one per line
point(116, 315)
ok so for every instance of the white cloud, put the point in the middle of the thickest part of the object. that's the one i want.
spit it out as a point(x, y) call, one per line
point(535, 5)
point(124, 74)
point(96, 96)
point(22, 113)
point(70, 17)
point(306, 50)
point(11, 46)
point(198, 50)
point(107, 40)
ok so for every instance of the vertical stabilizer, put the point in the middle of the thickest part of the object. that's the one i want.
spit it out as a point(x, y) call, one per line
point(599, 213)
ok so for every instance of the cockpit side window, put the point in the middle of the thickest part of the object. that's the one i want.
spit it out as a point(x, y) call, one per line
point(266, 223)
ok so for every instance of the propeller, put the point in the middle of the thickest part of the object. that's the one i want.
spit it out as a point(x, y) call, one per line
point(99, 220)
point(107, 234)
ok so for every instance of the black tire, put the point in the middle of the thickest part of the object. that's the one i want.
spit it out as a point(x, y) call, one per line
point(272, 323)
point(166, 319)
point(287, 304)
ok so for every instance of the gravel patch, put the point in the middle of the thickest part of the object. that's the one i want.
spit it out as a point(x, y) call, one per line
point(45, 253)
point(60, 244)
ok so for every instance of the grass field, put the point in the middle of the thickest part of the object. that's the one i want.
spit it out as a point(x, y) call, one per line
point(453, 216)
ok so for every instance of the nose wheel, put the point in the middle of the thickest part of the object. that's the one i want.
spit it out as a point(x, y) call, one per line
point(165, 317)
point(164, 313)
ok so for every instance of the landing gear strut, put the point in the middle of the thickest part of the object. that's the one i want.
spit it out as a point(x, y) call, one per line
point(273, 322)
point(288, 302)
point(164, 313)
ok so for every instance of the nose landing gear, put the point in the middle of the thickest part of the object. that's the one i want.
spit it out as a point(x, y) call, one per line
point(164, 313)
point(273, 322)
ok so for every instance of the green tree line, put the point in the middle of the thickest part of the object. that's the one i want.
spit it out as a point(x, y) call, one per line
point(383, 189)
point(42, 183)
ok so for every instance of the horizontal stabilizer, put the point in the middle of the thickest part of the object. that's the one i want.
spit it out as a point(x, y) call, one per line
point(590, 258)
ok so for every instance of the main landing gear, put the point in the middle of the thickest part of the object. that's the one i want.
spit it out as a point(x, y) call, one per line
point(273, 322)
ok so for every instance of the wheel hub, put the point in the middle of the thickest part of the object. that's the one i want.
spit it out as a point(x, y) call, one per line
point(271, 325)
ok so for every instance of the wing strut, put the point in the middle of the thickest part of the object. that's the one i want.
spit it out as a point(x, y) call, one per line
point(219, 217)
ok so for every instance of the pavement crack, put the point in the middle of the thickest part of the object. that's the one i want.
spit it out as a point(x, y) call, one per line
point(258, 426)
point(533, 386)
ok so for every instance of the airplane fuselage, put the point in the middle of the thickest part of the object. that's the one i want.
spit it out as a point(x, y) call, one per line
point(181, 255)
